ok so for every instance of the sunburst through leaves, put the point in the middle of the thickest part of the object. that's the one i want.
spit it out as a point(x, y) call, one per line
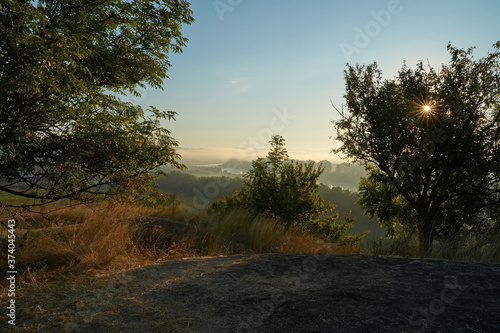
point(426, 112)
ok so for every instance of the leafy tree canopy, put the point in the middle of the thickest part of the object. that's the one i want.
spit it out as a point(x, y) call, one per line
point(433, 137)
point(64, 133)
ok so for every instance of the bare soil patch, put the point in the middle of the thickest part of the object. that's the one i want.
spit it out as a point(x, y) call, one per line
point(271, 293)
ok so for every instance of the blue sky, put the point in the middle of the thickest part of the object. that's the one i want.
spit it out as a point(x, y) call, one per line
point(253, 68)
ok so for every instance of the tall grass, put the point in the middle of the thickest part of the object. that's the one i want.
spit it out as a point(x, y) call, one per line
point(104, 235)
point(241, 231)
point(73, 237)
point(472, 246)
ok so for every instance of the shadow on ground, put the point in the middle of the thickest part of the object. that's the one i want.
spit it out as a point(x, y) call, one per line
point(273, 293)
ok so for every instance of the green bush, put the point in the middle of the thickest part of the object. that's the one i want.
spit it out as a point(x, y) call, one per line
point(288, 190)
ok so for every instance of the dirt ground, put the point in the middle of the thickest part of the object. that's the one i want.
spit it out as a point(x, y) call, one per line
point(271, 293)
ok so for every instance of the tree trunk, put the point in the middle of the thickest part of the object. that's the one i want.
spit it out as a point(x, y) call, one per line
point(426, 237)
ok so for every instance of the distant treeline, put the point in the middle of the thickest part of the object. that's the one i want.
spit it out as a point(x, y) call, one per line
point(200, 191)
point(344, 175)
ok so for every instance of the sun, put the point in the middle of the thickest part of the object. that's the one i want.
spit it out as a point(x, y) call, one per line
point(426, 111)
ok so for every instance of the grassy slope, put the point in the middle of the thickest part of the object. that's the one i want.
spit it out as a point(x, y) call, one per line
point(79, 238)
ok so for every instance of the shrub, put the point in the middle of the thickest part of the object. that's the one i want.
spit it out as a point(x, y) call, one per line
point(288, 191)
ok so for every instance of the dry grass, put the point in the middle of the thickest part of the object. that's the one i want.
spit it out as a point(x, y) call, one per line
point(236, 232)
point(73, 237)
point(481, 247)
point(241, 231)
point(402, 246)
point(73, 240)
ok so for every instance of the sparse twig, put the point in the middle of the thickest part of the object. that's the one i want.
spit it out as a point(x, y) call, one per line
point(473, 330)
point(341, 111)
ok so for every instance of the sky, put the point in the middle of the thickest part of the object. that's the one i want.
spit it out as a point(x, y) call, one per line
point(257, 68)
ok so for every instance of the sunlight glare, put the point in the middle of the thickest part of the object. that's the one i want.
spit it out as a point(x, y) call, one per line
point(426, 111)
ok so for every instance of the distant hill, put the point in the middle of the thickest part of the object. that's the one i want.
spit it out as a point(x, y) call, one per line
point(343, 175)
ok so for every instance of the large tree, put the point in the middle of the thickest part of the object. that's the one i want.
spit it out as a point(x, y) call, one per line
point(64, 132)
point(433, 136)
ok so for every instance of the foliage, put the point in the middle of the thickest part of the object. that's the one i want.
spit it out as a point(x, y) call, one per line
point(65, 133)
point(287, 190)
point(379, 199)
point(434, 139)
